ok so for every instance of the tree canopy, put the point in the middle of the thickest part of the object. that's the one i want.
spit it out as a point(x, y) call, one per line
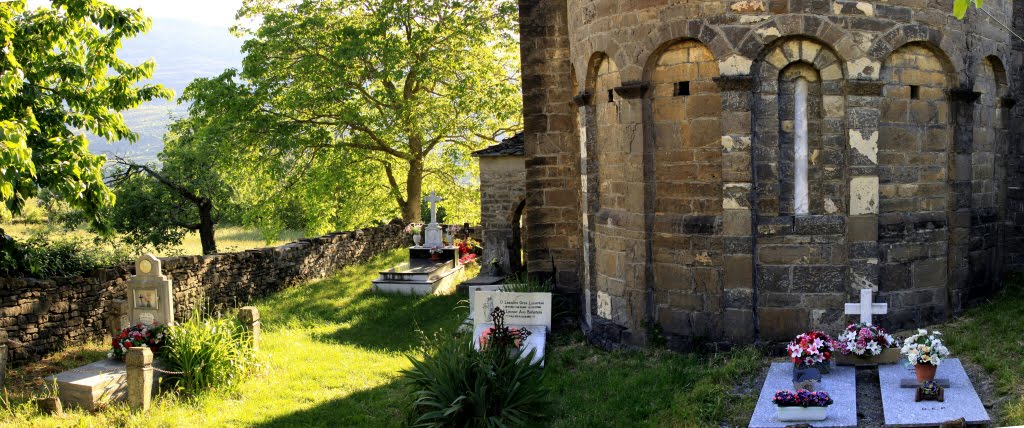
point(60, 77)
point(346, 110)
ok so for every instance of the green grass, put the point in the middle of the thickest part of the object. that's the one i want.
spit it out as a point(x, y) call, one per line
point(332, 352)
point(229, 238)
point(991, 336)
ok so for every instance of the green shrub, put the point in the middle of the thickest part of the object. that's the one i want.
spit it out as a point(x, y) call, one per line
point(456, 386)
point(53, 255)
point(209, 352)
point(522, 283)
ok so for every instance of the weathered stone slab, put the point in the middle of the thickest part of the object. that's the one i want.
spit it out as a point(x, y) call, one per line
point(840, 384)
point(95, 385)
point(419, 278)
point(961, 400)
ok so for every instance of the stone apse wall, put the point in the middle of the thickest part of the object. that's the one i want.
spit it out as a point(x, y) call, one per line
point(667, 189)
point(40, 316)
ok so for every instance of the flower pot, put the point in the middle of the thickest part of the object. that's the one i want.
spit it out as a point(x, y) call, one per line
point(823, 367)
point(435, 257)
point(925, 372)
point(797, 413)
point(416, 239)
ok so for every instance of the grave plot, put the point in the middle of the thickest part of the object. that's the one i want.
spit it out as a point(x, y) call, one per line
point(431, 268)
point(960, 400)
point(840, 383)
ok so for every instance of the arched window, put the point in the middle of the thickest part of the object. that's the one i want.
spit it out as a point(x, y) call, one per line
point(800, 188)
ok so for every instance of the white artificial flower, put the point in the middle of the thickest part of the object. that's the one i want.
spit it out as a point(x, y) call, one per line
point(921, 331)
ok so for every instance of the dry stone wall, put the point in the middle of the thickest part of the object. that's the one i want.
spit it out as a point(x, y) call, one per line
point(40, 316)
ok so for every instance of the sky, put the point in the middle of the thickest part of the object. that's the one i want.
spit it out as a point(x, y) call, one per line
point(217, 13)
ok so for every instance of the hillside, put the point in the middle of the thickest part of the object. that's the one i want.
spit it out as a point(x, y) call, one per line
point(183, 51)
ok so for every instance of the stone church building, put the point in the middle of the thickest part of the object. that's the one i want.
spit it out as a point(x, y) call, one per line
point(736, 170)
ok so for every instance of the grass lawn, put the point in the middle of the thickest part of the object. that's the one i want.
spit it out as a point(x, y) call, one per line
point(332, 351)
point(229, 238)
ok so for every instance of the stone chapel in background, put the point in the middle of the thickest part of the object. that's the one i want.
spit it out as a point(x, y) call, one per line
point(662, 138)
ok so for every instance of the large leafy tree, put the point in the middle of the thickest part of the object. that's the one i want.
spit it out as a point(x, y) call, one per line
point(352, 108)
point(60, 77)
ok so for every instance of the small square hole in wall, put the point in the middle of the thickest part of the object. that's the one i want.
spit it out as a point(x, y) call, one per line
point(682, 89)
point(611, 95)
point(915, 92)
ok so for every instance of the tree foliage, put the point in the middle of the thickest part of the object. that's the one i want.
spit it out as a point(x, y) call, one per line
point(158, 205)
point(346, 111)
point(59, 77)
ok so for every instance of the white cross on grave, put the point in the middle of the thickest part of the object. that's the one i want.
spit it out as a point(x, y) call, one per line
point(432, 232)
point(433, 199)
point(866, 308)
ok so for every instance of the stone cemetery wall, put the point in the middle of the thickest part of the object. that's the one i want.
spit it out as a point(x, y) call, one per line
point(40, 316)
point(679, 161)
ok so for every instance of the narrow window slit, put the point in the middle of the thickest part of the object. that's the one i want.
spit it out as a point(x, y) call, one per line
point(682, 89)
point(915, 92)
point(800, 190)
point(611, 95)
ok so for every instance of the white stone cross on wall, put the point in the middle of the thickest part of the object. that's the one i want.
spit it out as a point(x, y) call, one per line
point(433, 199)
point(866, 308)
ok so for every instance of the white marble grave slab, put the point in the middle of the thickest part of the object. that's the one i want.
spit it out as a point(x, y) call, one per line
point(534, 342)
point(961, 400)
point(840, 384)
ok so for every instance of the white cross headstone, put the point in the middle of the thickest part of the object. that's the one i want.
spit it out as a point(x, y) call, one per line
point(866, 308)
point(150, 297)
point(432, 232)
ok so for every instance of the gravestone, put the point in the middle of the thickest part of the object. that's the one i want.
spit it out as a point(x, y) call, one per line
point(432, 232)
point(840, 384)
point(150, 297)
point(149, 300)
point(901, 409)
point(531, 311)
point(866, 308)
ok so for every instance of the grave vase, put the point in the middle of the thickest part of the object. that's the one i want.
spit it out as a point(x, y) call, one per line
point(416, 239)
point(925, 372)
point(823, 367)
point(797, 413)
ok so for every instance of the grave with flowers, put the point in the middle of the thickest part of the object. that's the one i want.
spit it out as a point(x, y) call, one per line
point(150, 308)
point(432, 267)
point(919, 385)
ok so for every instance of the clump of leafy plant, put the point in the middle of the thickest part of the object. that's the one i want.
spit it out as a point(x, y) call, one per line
point(209, 352)
point(51, 255)
point(455, 385)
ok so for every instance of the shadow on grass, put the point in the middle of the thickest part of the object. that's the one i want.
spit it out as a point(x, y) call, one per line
point(383, 406)
point(360, 316)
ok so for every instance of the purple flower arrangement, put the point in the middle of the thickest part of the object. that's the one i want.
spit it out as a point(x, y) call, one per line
point(802, 398)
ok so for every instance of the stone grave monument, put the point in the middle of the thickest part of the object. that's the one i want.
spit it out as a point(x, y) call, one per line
point(149, 300)
point(531, 311)
point(431, 268)
point(902, 410)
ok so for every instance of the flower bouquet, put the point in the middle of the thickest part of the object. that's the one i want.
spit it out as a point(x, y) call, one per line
point(925, 351)
point(416, 230)
point(802, 405)
point(812, 349)
point(863, 344)
point(137, 335)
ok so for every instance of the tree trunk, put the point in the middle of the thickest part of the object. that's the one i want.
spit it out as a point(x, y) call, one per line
point(411, 213)
point(206, 227)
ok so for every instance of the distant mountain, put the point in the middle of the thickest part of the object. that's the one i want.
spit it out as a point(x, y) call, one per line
point(183, 51)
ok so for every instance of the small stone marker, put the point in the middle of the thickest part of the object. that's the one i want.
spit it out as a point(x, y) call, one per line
point(531, 311)
point(150, 297)
point(840, 384)
point(432, 231)
point(249, 316)
point(961, 400)
point(866, 308)
point(139, 363)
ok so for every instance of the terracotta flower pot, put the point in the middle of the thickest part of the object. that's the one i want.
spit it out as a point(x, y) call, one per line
point(925, 372)
point(435, 256)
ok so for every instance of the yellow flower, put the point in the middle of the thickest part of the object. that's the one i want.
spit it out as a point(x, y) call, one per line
point(925, 358)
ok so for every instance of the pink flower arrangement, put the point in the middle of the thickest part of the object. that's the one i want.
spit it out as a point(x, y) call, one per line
point(864, 339)
point(801, 398)
point(811, 348)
